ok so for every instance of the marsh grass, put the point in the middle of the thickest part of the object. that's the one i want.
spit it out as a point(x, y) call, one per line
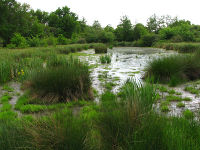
point(18, 64)
point(180, 47)
point(180, 104)
point(100, 48)
point(125, 122)
point(174, 69)
point(69, 80)
point(105, 59)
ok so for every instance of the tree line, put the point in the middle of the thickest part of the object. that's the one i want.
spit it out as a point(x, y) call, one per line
point(21, 26)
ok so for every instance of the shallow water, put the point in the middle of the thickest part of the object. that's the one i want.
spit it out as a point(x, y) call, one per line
point(127, 62)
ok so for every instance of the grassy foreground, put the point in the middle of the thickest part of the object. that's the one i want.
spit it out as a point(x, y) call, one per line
point(126, 121)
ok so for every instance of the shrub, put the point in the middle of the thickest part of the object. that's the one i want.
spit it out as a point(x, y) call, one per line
point(62, 40)
point(19, 41)
point(81, 41)
point(34, 42)
point(149, 39)
point(51, 41)
point(11, 46)
point(100, 48)
point(63, 81)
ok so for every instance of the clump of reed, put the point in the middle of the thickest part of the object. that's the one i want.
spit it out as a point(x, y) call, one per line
point(100, 48)
point(105, 59)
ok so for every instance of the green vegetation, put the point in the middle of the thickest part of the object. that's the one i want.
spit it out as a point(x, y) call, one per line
point(105, 59)
point(100, 48)
point(164, 108)
point(54, 112)
point(173, 98)
point(116, 121)
point(37, 28)
point(180, 47)
point(66, 80)
point(177, 98)
point(7, 88)
point(188, 114)
point(192, 90)
point(180, 104)
point(174, 69)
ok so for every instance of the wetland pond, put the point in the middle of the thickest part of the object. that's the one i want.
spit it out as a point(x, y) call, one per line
point(130, 62)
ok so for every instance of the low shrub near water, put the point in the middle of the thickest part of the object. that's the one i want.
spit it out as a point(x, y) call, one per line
point(65, 81)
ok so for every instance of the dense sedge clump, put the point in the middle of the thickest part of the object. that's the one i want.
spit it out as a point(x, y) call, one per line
point(69, 80)
point(100, 48)
point(174, 69)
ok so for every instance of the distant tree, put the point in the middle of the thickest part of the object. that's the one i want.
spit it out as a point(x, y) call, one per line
point(139, 31)
point(179, 29)
point(14, 17)
point(155, 23)
point(124, 31)
point(109, 28)
point(65, 21)
point(42, 16)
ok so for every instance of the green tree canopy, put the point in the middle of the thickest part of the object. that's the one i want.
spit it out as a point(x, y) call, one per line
point(124, 31)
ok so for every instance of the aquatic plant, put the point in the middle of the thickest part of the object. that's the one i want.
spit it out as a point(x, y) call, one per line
point(105, 59)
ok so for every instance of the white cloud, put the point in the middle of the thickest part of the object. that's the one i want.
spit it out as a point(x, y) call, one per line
point(110, 11)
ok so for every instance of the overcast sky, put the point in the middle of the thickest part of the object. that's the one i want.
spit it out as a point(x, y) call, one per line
point(110, 11)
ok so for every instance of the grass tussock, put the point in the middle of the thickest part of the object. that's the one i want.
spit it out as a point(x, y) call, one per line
point(68, 80)
point(174, 69)
point(100, 48)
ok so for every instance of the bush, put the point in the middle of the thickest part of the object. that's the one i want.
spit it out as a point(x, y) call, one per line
point(19, 41)
point(11, 46)
point(100, 48)
point(34, 42)
point(63, 81)
point(62, 40)
point(51, 41)
point(81, 41)
point(149, 39)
